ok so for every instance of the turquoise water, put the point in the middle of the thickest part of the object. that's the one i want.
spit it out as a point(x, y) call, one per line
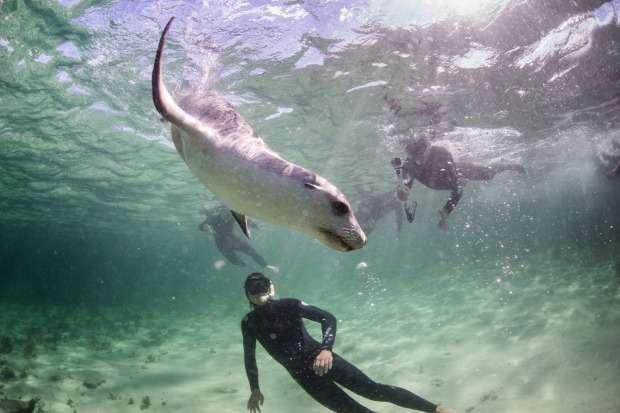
point(104, 273)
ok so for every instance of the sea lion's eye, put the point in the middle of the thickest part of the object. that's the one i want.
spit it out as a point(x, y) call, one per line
point(340, 208)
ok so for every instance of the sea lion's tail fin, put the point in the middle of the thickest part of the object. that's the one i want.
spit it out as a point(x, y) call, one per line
point(164, 103)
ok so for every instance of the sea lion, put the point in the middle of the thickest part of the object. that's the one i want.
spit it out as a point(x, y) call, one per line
point(17, 406)
point(234, 163)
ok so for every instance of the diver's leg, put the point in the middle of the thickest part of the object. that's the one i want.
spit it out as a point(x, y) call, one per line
point(226, 247)
point(501, 167)
point(473, 172)
point(352, 378)
point(248, 250)
point(325, 391)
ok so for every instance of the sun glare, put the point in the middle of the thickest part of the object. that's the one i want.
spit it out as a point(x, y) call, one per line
point(461, 6)
point(425, 11)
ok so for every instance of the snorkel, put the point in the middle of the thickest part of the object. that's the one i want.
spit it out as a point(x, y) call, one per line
point(260, 288)
point(266, 296)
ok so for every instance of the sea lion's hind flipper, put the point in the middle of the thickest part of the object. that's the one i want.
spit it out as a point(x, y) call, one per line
point(243, 223)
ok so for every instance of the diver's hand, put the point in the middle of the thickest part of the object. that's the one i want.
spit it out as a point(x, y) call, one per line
point(443, 221)
point(323, 362)
point(611, 174)
point(256, 400)
point(402, 192)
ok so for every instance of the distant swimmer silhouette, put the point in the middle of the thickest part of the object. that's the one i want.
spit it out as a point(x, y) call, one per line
point(374, 207)
point(614, 161)
point(435, 167)
point(615, 172)
point(277, 324)
point(221, 223)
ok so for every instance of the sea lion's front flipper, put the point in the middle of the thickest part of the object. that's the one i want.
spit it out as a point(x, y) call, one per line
point(178, 142)
point(243, 223)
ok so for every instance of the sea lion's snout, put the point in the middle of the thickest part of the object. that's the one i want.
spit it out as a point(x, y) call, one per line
point(355, 245)
point(345, 244)
point(337, 225)
point(350, 239)
point(358, 241)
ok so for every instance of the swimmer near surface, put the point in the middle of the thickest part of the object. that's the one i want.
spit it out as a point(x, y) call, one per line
point(235, 164)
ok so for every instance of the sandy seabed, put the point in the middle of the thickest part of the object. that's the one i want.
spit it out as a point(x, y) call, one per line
point(547, 340)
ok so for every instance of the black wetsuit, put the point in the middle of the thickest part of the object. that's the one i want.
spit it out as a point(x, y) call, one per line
point(440, 171)
point(223, 225)
point(278, 326)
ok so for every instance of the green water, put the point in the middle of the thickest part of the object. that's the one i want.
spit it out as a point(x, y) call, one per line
point(103, 271)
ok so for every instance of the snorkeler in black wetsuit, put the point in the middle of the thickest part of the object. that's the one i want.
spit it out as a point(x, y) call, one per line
point(278, 326)
point(374, 207)
point(435, 167)
point(221, 222)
